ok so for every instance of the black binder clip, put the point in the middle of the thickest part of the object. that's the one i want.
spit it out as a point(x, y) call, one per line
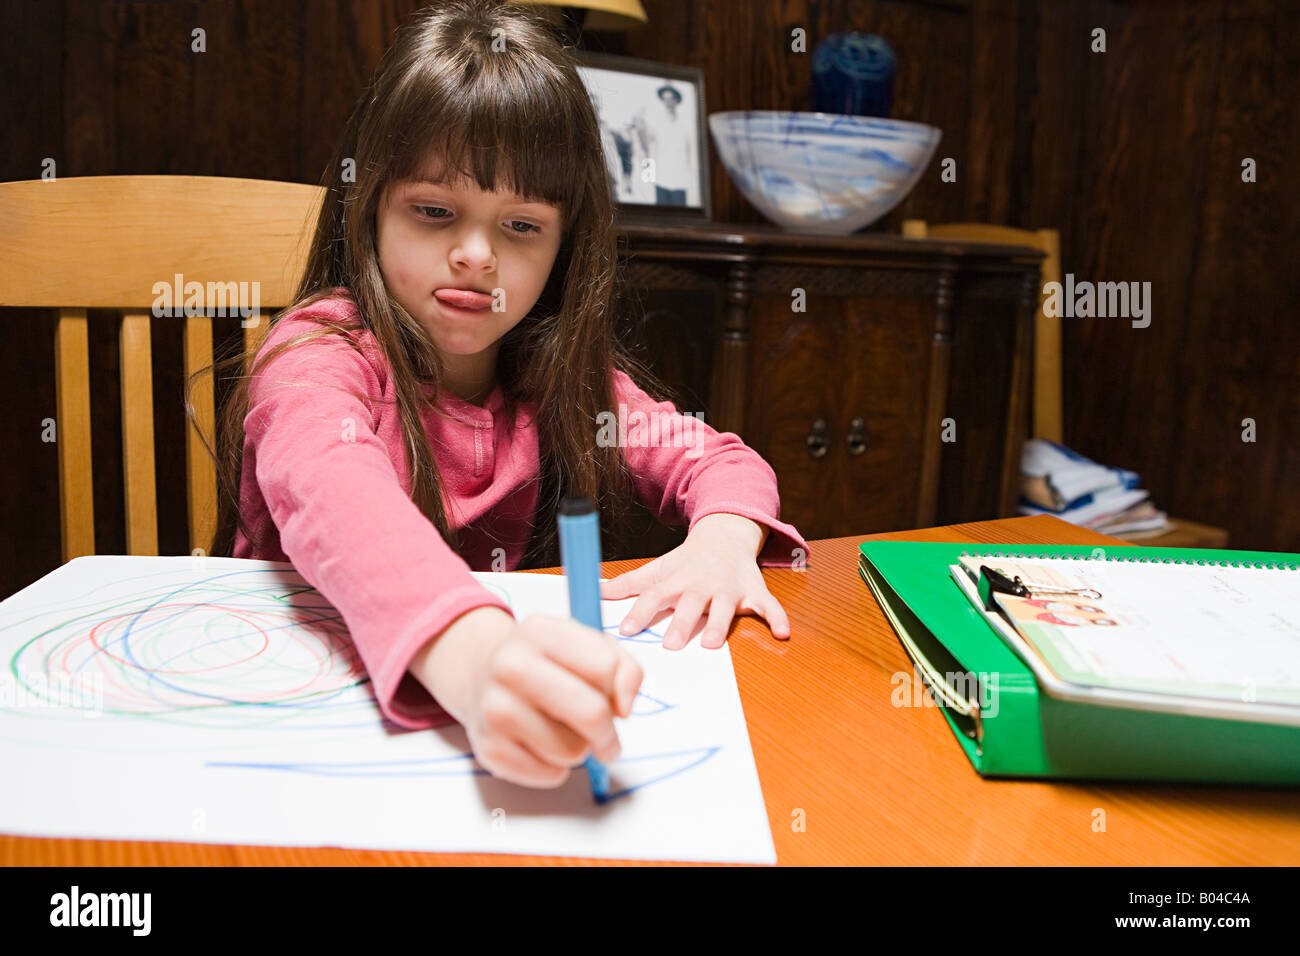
point(993, 580)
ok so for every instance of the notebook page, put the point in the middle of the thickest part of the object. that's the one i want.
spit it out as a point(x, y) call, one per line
point(1231, 633)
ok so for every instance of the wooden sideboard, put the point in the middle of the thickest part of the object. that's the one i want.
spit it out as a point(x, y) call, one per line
point(886, 380)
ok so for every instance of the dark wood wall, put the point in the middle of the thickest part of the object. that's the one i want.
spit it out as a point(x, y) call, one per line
point(1133, 154)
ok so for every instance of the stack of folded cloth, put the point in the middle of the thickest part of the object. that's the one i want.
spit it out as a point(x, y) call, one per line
point(1057, 481)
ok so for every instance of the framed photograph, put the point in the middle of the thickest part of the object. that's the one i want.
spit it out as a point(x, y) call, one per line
point(652, 127)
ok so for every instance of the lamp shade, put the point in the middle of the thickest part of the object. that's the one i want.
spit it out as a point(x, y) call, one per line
point(612, 15)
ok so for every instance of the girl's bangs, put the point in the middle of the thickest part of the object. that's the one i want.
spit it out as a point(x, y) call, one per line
point(523, 141)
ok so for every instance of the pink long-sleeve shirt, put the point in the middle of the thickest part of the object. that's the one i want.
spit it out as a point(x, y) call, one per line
point(325, 486)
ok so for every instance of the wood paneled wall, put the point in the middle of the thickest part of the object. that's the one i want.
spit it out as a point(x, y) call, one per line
point(1133, 154)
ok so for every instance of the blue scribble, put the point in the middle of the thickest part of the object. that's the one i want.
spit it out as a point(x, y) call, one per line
point(638, 638)
point(368, 768)
point(441, 767)
point(661, 705)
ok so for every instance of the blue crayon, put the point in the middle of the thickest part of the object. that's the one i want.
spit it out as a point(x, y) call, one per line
point(579, 524)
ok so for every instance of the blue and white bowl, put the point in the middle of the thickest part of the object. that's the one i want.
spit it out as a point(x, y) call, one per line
point(822, 172)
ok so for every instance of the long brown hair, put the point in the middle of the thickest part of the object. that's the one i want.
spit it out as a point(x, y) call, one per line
point(487, 89)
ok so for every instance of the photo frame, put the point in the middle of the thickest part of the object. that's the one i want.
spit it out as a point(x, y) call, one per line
point(654, 137)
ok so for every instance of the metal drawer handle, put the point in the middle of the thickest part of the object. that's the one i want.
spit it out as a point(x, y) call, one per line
point(857, 439)
point(818, 439)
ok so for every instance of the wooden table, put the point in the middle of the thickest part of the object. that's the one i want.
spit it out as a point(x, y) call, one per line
point(872, 783)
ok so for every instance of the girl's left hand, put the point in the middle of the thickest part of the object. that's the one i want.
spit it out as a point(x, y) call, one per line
point(714, 568)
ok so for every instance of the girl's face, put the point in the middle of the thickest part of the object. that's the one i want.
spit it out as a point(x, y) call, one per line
point(433, 237)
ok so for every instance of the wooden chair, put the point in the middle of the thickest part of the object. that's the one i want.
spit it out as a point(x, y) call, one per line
point(1048, 417)
point(103, 242)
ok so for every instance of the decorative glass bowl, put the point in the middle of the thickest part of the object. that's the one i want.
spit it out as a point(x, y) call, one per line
point(822, 172)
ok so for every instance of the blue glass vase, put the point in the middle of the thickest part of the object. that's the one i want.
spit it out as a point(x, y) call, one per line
point(853, 73)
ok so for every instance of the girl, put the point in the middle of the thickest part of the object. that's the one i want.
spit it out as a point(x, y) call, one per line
point(433, 392)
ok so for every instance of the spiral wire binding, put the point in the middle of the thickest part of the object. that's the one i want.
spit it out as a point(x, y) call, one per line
point(1257, 565)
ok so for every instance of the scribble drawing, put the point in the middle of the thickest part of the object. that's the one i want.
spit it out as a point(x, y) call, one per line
point(233, 649)
point(247, 648)
point(463, 765)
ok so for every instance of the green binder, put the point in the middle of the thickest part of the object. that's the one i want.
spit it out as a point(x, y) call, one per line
point(1006, 721)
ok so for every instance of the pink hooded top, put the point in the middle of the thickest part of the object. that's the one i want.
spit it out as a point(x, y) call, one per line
point(325, 486)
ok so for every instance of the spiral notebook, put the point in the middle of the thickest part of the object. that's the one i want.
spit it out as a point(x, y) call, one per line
point(1191, 636)
point(1142, 663)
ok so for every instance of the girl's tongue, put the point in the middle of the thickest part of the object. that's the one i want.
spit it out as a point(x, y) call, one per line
point(463, 299)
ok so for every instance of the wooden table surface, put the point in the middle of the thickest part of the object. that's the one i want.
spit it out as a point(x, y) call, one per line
point(870, 782)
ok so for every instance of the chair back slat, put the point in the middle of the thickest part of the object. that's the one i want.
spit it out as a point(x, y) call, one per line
point(129, 243)
point(137, 434)
point(106, 241)
point(973, 232)
point(200, 468)
point(72, 432)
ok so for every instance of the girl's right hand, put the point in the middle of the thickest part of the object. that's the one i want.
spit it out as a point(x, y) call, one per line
point(535, 696)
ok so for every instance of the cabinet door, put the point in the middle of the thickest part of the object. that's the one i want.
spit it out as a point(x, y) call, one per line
point(851, 375)
point(884, 363)
point(793, 396)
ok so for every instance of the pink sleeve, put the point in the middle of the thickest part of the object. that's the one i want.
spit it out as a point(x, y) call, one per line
point(345, 520)
point(684, 469)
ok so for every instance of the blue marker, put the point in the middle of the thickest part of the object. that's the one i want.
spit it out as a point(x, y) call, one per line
point(580, 554)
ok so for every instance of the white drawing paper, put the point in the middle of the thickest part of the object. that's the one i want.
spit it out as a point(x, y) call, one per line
point(219, 700)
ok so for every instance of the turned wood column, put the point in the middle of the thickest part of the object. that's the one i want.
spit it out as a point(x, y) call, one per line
point(728, 391)
point(936, 396)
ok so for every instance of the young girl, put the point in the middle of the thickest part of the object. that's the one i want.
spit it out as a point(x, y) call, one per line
point(435, 391)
